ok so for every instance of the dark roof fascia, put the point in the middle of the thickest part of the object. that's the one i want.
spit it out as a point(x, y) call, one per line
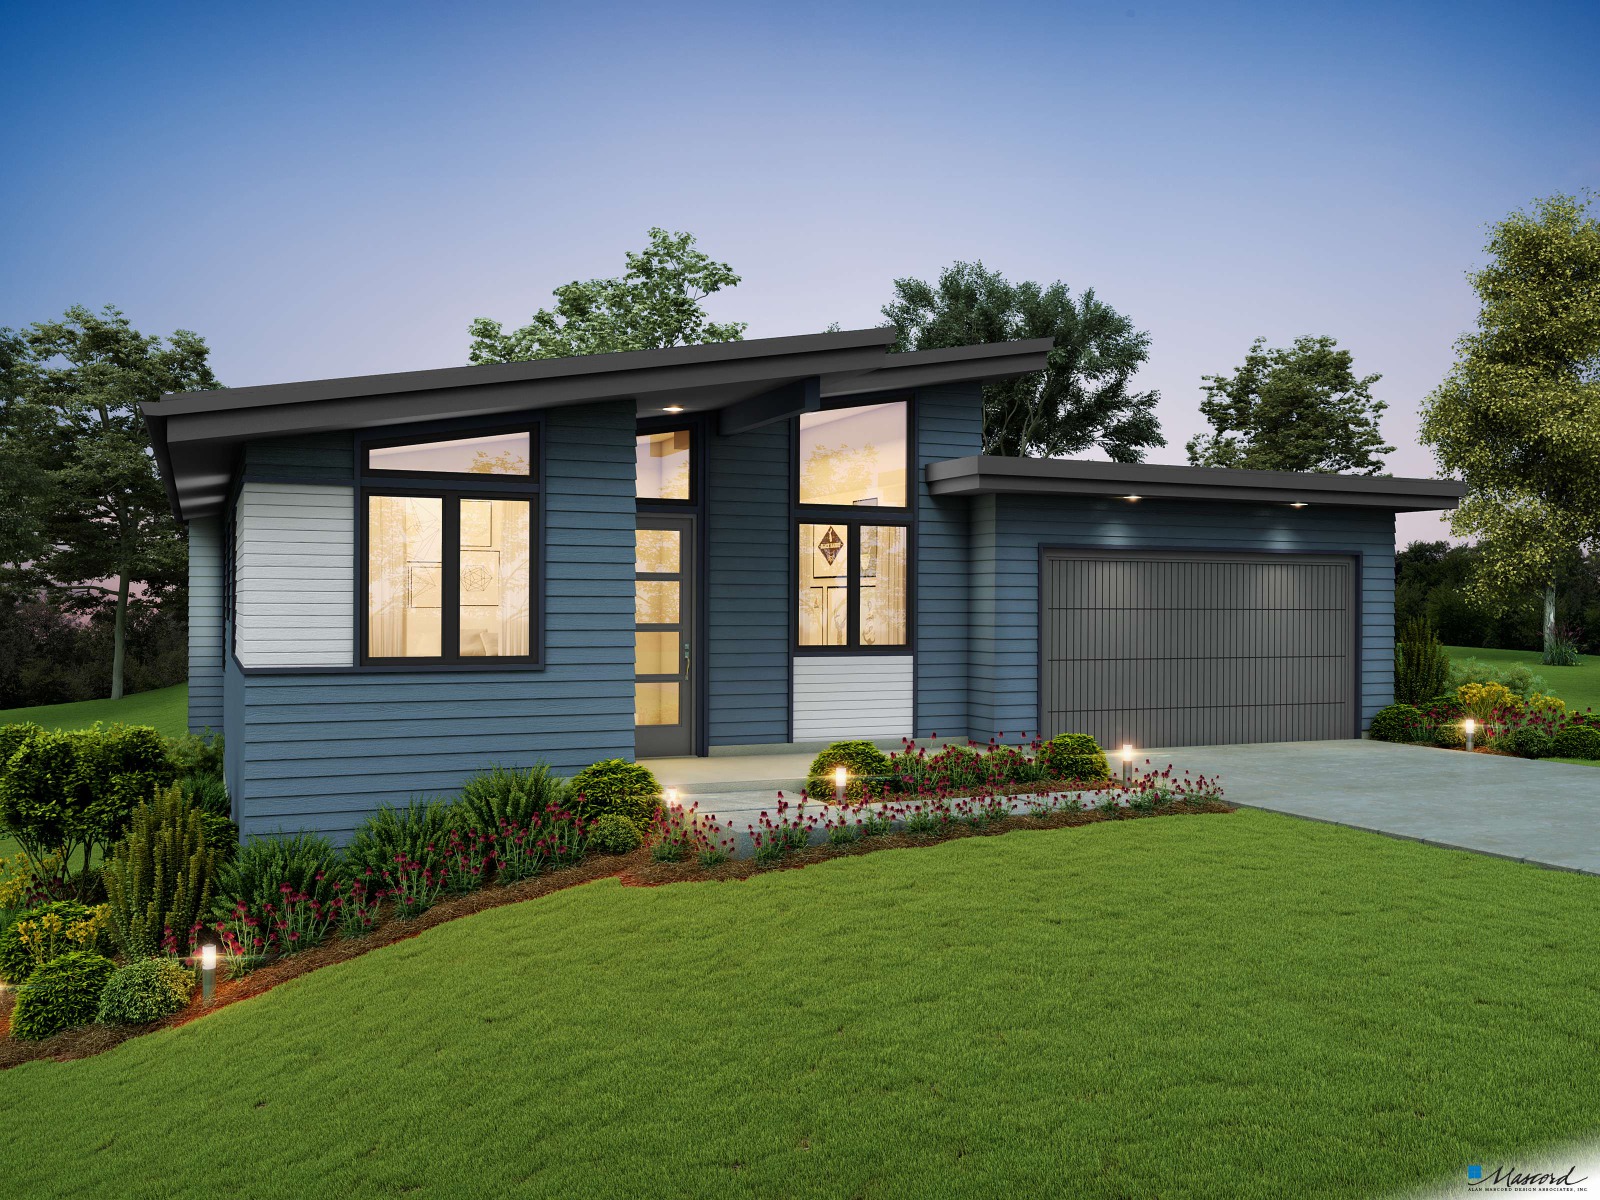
point(956, 364)
point(986, 475)
point(674, 358)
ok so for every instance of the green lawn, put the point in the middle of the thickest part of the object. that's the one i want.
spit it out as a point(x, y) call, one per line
point(165, 708)
point(1243, 1005)
point(1579, 686)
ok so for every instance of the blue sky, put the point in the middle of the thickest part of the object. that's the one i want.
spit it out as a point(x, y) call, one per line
point(338, 189)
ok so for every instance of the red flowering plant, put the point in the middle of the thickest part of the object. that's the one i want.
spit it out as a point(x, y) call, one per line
point(245, 941)
point(300, 920)
point(548, 839)
point(469, 860)
point(782, 831)
point(412, 884)
point(678, 832)
point(359, 901)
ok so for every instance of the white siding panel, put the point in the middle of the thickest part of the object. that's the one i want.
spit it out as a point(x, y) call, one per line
point(295, 547)
point(849, 697)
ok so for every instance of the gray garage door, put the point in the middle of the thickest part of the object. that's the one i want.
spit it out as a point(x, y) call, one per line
point(1191, 650)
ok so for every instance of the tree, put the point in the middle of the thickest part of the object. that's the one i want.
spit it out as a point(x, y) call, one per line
point(24, 483)
point(1295, 409)
point(109, 526)
point(656, 303)
point(1517, 419)
point(1081, 399)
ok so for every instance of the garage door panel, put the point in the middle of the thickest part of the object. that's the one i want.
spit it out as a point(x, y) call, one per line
point(1178, 649)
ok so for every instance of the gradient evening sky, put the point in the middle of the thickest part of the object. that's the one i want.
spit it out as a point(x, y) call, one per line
point(336, 189)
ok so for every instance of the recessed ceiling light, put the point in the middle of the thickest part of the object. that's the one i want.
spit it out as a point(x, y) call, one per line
point(1133, 497)
point(673, 408)
point(1297, 504)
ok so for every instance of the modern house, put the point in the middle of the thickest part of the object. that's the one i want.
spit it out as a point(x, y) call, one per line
point(399, 579)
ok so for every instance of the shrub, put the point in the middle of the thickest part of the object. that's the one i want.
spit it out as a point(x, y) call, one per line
point(12, 737)
point(145, 991)
point(515, 795)
point(275, 888)
point(60, 994)
point(1515, 678)
point(1563, 649)
point(1008, 764)
point(1075, 756)
point(66, 792)
point(613, 833)
point(869, 770)
point(1396, 723)
point(160, 878)
point(1450, 735)
point(1576, 741)
point(1484, 701)
point(1531, 743)
point(195, 755)
point(65, 923)
point(618, 787)
point(1421, 666)
point(405, 848)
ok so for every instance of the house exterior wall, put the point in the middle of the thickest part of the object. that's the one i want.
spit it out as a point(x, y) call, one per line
point(748, 602)
point(1008, 531)
point(205, 624)
point(321, 749)
point(949, 425)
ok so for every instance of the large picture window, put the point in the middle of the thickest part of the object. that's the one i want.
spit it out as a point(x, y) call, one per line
point(852, 585)
point(450, 571)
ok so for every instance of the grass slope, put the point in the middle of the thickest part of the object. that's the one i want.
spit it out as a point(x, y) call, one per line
point(165, 708)
point(1579, 686)
point(1246, 1005)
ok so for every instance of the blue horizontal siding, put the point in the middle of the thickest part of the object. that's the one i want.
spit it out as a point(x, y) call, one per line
point(747, 587)
point(1008, 531)
point(321, 752)
point(949, 425)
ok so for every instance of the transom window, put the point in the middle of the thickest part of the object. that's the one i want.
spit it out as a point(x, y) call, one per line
point(505, 453)
point(854, 457)
point(662, 465)
point(450, 571)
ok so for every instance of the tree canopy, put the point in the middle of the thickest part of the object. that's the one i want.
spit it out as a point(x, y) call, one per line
point(656, 303)
point(102, 523)
point(1083, 399)
point(1299, 408)
point(1517, 418)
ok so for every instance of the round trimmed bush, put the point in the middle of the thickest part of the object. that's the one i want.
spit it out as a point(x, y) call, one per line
point(1396, 723)
point(60, 994)
point(1451, 735)
point(620, 787)
point(1532, 743)
point(1576, 741)
point(1075, 756)
point(865, 763)
point(16, 960)
point(145, 991)
point(613, 833)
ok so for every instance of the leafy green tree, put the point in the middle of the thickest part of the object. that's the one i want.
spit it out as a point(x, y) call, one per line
point(655, 304)
point(1518, 417)
point(25, 480)
point(1081, 399)
point(109, 526)
point(1299, 408)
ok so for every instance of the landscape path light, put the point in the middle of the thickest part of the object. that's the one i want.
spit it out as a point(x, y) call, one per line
point(672, 797)
point(839, 777)
point(208, 972)
point(1469, 725)
point(1127, 762)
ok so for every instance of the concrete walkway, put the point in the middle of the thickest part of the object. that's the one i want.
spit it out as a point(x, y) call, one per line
point(1540, 812)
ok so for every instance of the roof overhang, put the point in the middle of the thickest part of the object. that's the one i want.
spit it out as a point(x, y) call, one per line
point(990, 475)
point(197, 435)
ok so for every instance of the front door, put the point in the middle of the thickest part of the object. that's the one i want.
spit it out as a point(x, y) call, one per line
point(663, 645)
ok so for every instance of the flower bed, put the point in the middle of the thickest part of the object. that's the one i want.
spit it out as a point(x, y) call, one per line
point(280, 907)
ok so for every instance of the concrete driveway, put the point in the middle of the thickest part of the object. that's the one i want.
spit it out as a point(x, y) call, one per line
point(1538, 812)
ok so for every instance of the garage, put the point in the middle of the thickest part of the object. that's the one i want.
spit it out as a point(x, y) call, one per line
point(1198, 648)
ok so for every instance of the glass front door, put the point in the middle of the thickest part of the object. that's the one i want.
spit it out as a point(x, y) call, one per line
point(663, 648)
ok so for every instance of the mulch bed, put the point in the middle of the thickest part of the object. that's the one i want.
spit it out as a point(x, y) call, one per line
point(632, 870)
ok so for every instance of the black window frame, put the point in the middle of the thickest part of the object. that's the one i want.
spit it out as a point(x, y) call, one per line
point(849, 518)
point(450, 488)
